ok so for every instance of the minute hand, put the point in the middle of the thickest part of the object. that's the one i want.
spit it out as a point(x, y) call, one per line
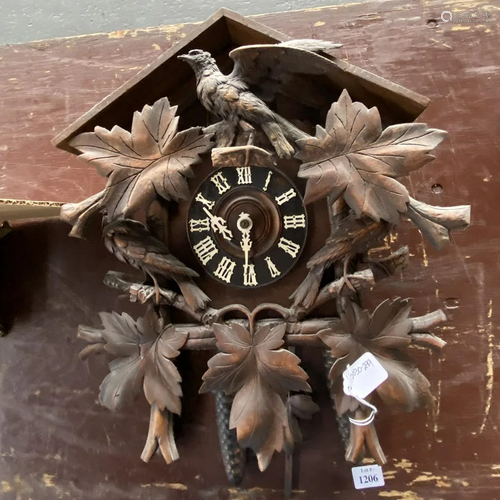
point(219, 225)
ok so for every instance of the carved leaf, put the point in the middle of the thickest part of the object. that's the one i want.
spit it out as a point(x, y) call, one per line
point(144, 350)
point(260, 374)
point(354, 158)
point(385, 334)
point(153, 159)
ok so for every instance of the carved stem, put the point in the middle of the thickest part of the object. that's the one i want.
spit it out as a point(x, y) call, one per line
point(160, 434)
point(428, 321)
point(362, 436)
point(77, 214)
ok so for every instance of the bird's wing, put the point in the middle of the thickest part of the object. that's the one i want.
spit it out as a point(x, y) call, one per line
point(334, 249)
point(166, 264)
point(311, 44)
point(269, 69)
point(142, 250)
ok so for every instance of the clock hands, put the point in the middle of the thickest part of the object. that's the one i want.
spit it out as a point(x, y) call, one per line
point(219, 225)
point(245, 224)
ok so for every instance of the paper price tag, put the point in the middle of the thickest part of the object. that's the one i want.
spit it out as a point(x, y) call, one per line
point(367, 476)
point(364, 376)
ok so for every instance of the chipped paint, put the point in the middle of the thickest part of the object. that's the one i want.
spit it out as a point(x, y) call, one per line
point(424, 256)
point(404, 464)
point(6, 487)
point(390, 474)
point(319, 23)
point(156, 46)
point(460, 28)
point(249, 494)
point(167, 30)
point(400, 495)
point(168, 486)
point(441, 481)
point(490, 372)
point(48, 480)
point(438, 403)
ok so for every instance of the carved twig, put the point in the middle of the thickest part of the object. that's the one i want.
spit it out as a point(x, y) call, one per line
point(95, 339)
point(436, 223)
point(78, 214)
point(160, 435)
point(362, 436)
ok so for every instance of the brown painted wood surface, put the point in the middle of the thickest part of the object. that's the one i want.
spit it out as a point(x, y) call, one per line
point(57, 442)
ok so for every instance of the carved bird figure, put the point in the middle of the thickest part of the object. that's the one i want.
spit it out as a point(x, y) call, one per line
point(353, 236)
point(229, 96)
point(132, 243)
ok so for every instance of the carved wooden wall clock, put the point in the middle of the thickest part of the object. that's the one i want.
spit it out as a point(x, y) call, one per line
point(254, 232)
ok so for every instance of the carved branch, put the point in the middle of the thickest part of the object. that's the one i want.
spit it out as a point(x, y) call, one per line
point(362, 436)
point(78, 214)
point(428, 321)
point(436, 223)
point(160, 435)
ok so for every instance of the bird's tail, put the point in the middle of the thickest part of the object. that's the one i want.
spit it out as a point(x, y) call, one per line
point(195, 298)
point(308, 290)
point(273, 131)
point(290, 131)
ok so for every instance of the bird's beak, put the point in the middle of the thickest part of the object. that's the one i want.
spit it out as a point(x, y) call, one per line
point(185, 57)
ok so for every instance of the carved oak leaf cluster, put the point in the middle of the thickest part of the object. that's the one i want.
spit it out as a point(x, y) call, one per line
point(386, 334)
point(355, 158)
point(151, 160)
point(260, 374)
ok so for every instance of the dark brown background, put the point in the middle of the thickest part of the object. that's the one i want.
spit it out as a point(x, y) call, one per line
point(57, 442)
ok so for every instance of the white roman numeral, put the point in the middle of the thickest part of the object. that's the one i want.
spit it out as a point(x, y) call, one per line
point(288, 195)
point(244, 175)
point(199, 225)
point(289, 247)
point(204, 201)
point(249, 276)
point(294, 221)
point(268, 180)
point(205, 250)
point(273, 270)
point(220, 183)
point(225, 269)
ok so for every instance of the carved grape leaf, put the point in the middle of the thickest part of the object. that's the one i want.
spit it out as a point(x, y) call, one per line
point(260, 373)
point(385, 334)
point(354, 158)
point(153, 159)
point(144, 350)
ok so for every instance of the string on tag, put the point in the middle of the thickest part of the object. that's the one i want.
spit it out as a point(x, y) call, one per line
point(368, 420)
point(348, 390)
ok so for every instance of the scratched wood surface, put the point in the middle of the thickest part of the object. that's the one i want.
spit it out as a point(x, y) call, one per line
point(57, 442)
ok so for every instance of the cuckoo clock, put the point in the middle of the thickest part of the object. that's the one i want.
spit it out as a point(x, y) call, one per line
point(252, 180)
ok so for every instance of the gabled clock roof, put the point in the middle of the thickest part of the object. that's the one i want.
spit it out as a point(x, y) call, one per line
point(222, 32)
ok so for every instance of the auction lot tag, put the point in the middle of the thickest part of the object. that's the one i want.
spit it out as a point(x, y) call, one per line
point(367, 476)
point(364, 376)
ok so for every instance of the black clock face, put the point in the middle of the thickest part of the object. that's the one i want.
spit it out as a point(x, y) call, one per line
point(247, 225)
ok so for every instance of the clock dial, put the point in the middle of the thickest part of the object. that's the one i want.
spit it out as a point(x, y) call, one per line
point(247, 225)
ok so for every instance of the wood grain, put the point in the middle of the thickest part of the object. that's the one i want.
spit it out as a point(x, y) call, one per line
point(56, 440)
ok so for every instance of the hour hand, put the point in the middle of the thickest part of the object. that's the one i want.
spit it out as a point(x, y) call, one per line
point(219, 225)
point(244, 224)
